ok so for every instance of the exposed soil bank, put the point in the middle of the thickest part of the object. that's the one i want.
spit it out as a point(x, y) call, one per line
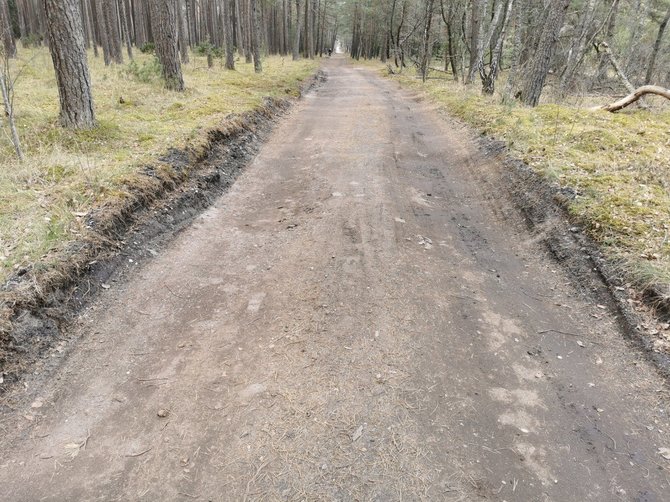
point(36, 303)
point(545, 208)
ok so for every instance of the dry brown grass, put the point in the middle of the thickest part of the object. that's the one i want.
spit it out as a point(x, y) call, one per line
point(67, 173)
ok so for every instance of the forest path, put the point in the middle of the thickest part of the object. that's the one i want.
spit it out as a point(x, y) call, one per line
point(359, 318)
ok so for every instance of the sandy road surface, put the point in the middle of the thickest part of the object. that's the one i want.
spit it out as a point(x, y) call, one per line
point(357, 319)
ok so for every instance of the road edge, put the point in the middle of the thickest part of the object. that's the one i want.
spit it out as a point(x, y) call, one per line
point(544, 208)
point(38, 304)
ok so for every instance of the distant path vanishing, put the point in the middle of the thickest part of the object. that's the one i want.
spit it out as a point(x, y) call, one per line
point(358, 318)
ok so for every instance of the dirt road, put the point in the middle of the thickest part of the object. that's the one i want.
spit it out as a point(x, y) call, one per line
point(359, 318)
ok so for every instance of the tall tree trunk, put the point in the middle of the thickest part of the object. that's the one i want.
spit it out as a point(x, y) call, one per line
point(450, 55)
point(510, 85)
point(228, 25)
point(6, 30)
point(578, 49)
point(256, 35)
point(425, 50)
point(125, 29)
point(286, 19)
point(248, 28)
point(23, 28)
point(141, 16)
point(239, 37)
point(657, 46)
point(477, 12)
point(93, 27)
point(66, 43)
point(309, 39)
point(486, 40)
point(109, 10)
point(99, 20)
point(296, 34)
point(84, 23)
point(184, 42)
point(164, 24)
point(489, 79)
point(541, 62)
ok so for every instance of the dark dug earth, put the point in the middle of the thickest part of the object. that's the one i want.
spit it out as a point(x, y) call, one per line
point(359, 318)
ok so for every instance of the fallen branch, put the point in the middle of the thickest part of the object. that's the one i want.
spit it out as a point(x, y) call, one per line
point(634, 96)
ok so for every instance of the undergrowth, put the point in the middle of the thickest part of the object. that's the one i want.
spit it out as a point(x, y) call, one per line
point(67, 173)
point(618, 164)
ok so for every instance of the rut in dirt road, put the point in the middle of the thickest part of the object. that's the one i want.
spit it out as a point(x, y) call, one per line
point(359, 318)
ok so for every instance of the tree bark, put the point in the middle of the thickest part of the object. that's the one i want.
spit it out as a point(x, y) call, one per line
point(184, 42)
point(228, 26)
point(125, 29)
point(425, 50)
point(477, 10)
point(486, 41)
point(578, 49)
point(450, 55)
point(66, 43)
point(512, 79)
point(164, 24)
point(296, 34)
point(489, 79)
point(95, 36)
point(542, 59)
point(256, 35)
point(286, 19)
point(109, 11)
point(309, 39)
point(99, 21)
point(657, 46)
point(8, 41)
point(9, 106)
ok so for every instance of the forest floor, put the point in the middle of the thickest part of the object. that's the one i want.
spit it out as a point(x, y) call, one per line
point(363, 316)
point(614, 169)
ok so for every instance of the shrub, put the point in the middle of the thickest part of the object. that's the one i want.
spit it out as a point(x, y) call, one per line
point(145, 72)
point(148, 48)
point(205, 48)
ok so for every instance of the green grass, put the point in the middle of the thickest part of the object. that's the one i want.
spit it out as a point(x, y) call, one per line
point(619, 164)
point(66, 173)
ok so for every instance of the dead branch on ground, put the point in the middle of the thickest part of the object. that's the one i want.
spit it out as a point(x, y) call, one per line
point(635, 96)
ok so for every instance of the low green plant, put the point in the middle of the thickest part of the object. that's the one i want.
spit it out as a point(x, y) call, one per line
point(206, 48)
point(145, 72)
point(148, 48)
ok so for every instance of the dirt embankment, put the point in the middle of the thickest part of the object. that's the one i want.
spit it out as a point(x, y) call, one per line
point(37, 302)
point(545, 209)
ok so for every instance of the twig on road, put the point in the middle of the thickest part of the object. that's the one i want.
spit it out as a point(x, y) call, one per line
point(542, 332)
point(140, 453)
